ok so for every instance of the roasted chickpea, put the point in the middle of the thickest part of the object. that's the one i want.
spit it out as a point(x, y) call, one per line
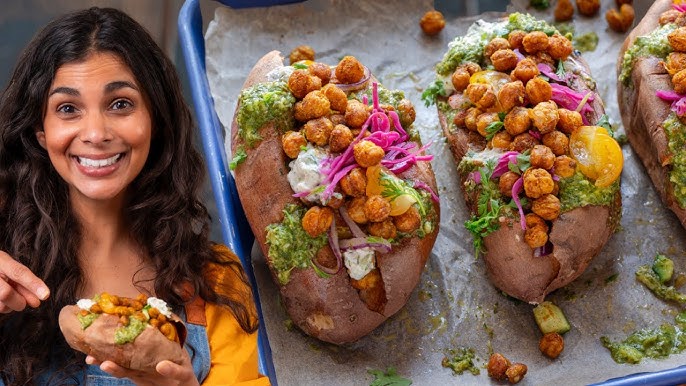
point(535, 41)
point(336, 200)
point(516, 372)
point(569, 120)
point(669, 16)
point(497, 366)
point(482, 95)
point(471, 67)
point(318, 130)
point(409, 221)
point(517, 121)
point(349, 70)
point(538, 90)
point(679, 82)
point(506, 181)
point(367, 153)
point(341, 138)
point(484, 120)
point(459, 118)
point(560, 47)
point(523, 142)
point(470, 118)
point(526, 69)
point(354, 183)
point(317, 220)
point(544, 57)
point(504, 60)
point(384, 229)
point(588, 7)
point(377, 209)
point(356, 210)
point(557, 142)
point(676, 61)
point(536, 233)
point(356, 113)
point(564, 10)
point(564, 166)
point(501, 140)
point(336, 97)
point(321, 71)
point(515, 39)
point(546, 206)
point(337, 119)
point(622, 19)
point(406, 113)
point(299, 53)
point(677, 39)
point(292, 142)
point(495, 45)
point(314, 105)
point(432, 23)
point(460, 78)
point(301, 83)
point(512, 94)
point(551, 345)
point(544, 116)
point(326, 258)
point(537, 182)
point(542, 157)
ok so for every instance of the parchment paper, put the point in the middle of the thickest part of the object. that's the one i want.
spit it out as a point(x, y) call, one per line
point(454, 304)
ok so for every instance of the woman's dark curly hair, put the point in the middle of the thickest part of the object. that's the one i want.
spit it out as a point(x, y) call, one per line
point(37, 225)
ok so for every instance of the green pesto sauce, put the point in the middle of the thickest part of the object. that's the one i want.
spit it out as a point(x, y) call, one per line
point(647, 276)
point(289, 245)
point(263, 103)
point(461, 360)
point(649, 343)
point(676, 136)
point(448, 113)
point(577, 191)
point(586, 42)
point(653, 44)
point(386, 96)
point(127, 334)
point(87, 320)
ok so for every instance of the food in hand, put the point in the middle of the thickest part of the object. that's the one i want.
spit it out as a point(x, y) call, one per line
point(135, 333)
point(338, 191)
point(651, 92)
point(538, 165)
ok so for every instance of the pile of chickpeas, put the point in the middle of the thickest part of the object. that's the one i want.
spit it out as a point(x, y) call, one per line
point(127, 308)
point(329, 120)
point(525, 99)
point(676, 60)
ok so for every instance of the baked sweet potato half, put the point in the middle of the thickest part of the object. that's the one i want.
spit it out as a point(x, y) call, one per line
point(651, 88)
point(539, 172)
point(133, 333)
point(337, 190)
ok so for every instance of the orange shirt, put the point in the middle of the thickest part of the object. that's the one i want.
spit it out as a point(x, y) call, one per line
point(233, 352)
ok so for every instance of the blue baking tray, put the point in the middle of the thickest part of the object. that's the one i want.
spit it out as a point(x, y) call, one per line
point(235, 229)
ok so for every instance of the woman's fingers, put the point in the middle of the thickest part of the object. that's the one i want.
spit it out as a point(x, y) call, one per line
point(19, 286)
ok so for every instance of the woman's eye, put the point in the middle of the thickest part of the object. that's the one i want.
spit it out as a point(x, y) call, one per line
point(66, 109)
point(121, 104)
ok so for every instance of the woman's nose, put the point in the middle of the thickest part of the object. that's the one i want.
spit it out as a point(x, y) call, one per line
point(95, 129)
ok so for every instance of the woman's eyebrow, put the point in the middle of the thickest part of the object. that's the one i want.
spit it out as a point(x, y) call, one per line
point(119, 85)
point(65, 90)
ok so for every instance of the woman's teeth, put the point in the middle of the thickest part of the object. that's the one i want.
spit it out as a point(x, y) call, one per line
point(98, 163)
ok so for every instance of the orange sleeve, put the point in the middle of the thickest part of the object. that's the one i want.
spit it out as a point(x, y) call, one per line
point(233, 351)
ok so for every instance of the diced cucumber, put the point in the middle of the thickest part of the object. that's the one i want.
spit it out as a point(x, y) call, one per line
point(550, 318)
point(663, 267)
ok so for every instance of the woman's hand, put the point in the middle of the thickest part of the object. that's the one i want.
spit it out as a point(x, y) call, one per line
point(168, 373)
point(19, 287)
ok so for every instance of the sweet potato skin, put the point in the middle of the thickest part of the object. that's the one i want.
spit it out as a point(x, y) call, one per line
point(328, 309)
point(643, 112)
point(577, 235)
point(144, 353)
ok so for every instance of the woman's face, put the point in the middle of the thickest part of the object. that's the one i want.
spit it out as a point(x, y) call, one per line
point(97, 127)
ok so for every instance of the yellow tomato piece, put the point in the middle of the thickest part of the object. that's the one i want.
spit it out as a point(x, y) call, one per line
point(495, 78)
point(400, 204)
point(597, 154)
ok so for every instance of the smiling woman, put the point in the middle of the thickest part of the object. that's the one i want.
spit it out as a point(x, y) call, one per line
point(99, 184)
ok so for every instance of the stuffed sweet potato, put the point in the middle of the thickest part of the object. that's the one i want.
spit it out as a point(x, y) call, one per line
point(337, 190)
point(651, 89)
point(539, 174)
point(133, 333)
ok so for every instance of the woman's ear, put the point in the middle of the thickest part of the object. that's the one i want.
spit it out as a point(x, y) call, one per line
point(40, 136)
